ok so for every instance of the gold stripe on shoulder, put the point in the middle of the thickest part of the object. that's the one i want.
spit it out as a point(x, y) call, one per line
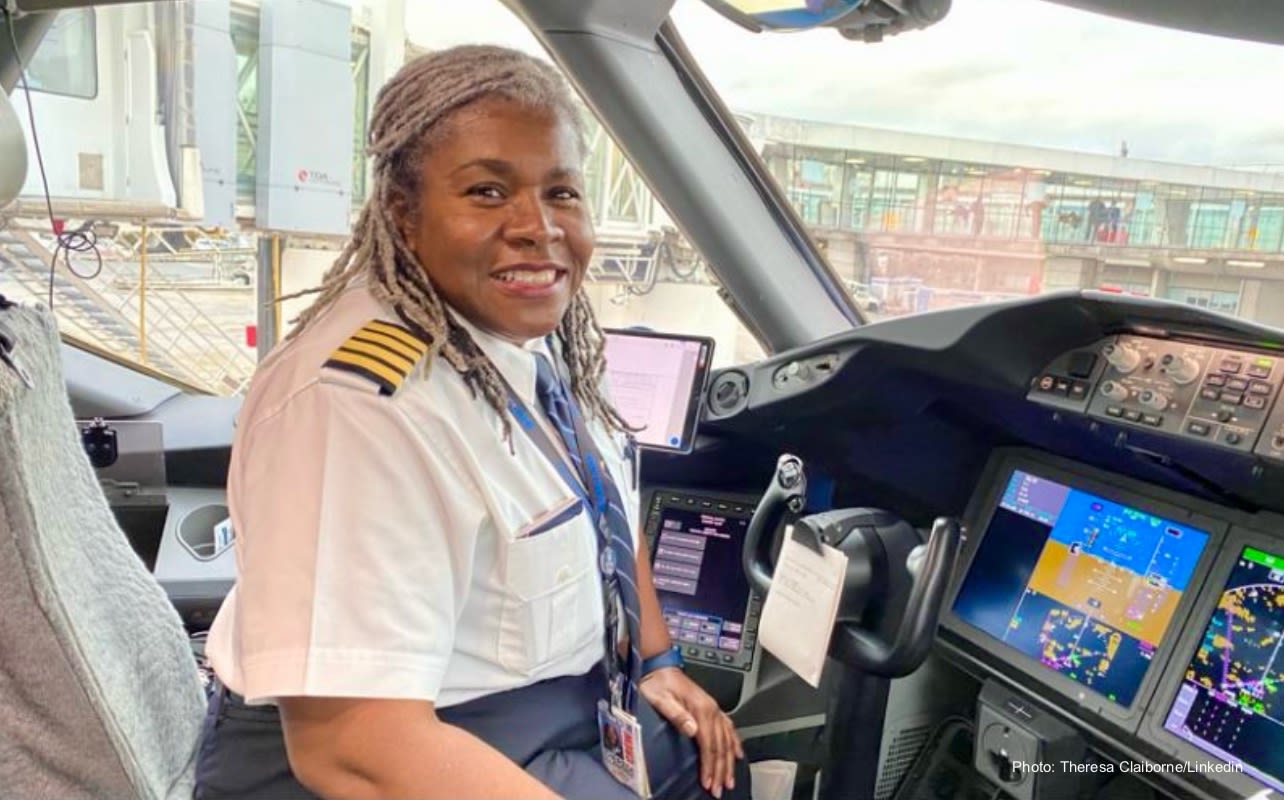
point(377, 372)
point(387, 342)
point(399, 333)
point(383, 353)
point(392, 358)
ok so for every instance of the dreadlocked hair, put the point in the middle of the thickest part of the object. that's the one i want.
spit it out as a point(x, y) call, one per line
point(412, 113)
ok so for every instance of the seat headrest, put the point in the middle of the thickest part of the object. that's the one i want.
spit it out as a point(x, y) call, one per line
point(13, 153)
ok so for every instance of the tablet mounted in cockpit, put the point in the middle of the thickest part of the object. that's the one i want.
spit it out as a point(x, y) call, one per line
point(656, 381)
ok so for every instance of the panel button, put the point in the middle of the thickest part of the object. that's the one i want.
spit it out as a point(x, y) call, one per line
point(1257, 387)
point(727, 658)
point(1237, 385)
point(710, 655)
point(1224, 415)
point(1255, 401)
point(1062, 386)
point(1233, 398)
point(1233, 438)
point(1045, 383)
point(1216, 380)
point(1259, 372)
point(1114, 411)
point(1197, 428)
point(1232, 365)
point(1210, 394)
point(1132, 415)
point(1078, 390)
point(692, 651)
point(1153, 420)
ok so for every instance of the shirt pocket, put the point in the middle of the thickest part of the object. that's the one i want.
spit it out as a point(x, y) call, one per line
point(550, 609)
point(555, 517)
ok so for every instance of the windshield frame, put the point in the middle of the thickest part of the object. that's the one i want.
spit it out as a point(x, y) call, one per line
point(645, 93)
point(670, 42)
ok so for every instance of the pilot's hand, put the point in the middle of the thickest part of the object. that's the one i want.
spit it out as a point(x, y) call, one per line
point(691, 710)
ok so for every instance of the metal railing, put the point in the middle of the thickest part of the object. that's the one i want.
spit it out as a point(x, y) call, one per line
point(152, 303)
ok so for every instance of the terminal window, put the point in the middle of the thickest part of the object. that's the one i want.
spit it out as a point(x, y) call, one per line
point(1230, 703)
point(1084, 585)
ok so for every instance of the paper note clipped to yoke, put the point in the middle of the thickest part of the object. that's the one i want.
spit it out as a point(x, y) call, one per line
point(798, 616)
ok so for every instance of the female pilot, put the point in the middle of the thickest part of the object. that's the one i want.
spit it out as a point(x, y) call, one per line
point(439, 567)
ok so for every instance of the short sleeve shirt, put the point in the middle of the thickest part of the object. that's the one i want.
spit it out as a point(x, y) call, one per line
point(389, 542)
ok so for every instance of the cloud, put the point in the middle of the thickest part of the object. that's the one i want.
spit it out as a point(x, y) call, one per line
point(1016, 71)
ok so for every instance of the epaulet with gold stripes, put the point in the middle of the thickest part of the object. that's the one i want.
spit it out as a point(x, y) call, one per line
point(381, 352)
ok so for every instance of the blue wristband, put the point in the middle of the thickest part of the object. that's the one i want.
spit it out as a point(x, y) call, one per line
point(669, 658)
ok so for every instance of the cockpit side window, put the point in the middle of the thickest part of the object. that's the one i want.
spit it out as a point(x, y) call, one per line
point(66, 62)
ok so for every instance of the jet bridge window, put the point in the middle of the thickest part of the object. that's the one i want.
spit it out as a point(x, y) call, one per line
point(66, 62)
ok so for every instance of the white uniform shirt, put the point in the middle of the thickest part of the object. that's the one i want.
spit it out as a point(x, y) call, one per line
point(393, 546)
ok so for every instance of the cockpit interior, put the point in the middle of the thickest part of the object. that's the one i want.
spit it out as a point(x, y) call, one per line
point(1063, 514)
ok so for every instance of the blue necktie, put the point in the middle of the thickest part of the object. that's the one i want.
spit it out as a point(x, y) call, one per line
point(615, 539)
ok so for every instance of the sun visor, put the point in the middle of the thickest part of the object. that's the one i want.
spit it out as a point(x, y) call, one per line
point(13, 153)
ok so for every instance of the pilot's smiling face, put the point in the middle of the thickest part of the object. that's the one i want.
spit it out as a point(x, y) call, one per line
point(500, 223)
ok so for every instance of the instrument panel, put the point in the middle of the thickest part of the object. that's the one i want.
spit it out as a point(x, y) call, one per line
point(1153, 620)
point(696, 541)
point(1221, 396)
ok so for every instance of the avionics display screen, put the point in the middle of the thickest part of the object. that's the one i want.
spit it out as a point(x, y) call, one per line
point(696, 566)
point(656, 381)
point(1230, 703)
point(1084, 585)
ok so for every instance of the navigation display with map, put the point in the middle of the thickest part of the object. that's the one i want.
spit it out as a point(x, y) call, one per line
point(1084, 585)
point(1230, 703)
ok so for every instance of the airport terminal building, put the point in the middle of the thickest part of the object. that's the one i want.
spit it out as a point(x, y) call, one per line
point(930, 221)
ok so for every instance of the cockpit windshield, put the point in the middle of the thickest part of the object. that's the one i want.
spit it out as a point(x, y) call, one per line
point(1014, 149)
point(1006, 150)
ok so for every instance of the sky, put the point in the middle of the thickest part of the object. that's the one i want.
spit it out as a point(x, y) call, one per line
point(1017, 71)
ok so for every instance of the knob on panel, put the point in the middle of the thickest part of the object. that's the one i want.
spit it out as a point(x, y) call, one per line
point(1181, 369)
point(799, 370)
point(1153, 400)
point(1122, 357)
point(1114, 390)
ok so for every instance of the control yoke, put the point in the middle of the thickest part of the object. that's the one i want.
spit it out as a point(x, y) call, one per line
point(887, 564)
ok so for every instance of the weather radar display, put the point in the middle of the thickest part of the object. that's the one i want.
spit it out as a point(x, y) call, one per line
point(1230, 702)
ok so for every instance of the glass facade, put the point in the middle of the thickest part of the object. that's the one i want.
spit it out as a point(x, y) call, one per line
point(880, 192)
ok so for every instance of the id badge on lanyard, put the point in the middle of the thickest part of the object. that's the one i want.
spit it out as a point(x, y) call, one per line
point(620, 736)
point(619, 731)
